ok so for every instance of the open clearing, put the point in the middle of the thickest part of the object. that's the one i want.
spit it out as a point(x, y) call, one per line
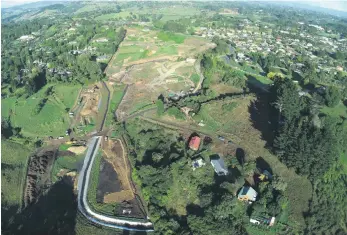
point(115, 156)
point(90, 108)
point(52, 120)
point(114, 192)
point(153, 63)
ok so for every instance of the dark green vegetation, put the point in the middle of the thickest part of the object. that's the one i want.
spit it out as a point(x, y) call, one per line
point(313, 144)
point(181, 200)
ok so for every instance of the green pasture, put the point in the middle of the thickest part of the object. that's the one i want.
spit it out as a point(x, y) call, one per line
point(52, 120)
point(14, 158)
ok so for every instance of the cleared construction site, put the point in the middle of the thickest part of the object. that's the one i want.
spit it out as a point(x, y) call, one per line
point(153, 64)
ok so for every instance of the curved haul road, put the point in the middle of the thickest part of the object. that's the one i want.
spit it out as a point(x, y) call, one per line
point(83, 206)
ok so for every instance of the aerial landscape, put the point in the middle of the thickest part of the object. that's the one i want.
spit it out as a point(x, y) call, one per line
point(158, 117)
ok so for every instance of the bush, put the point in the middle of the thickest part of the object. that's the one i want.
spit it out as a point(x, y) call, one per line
point(174, 111)
point(332, 96)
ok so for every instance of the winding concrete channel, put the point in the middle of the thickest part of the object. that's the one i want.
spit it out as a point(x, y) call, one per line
point(83, 207)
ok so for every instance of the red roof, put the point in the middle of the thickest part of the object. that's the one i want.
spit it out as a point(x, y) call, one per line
point(194, 143)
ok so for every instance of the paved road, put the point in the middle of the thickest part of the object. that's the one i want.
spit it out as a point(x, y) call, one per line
point(83, 207)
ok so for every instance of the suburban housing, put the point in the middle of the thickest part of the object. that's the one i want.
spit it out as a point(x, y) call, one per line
point(194, 143)
point(247, 194)
point(219, 166)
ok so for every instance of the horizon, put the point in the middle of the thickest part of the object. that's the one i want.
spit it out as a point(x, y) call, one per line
point(327, 4)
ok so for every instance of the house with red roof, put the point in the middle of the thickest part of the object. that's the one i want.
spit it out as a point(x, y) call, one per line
point(194, 143)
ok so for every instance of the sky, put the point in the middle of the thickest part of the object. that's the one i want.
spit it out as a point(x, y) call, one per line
point(331, 4)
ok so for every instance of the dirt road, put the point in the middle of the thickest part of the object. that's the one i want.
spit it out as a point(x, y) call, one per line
point(197, 67)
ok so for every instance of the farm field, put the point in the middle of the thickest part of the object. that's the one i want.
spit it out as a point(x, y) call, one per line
point(111, 16)
point(173, 12)
point(52, 119)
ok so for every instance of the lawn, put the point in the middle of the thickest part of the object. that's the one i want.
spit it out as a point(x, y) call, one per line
point(52, 120)
point(339, 110)
point(14, 158)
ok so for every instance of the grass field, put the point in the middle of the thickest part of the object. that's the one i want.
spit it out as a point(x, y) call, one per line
point(117, 95)
point(65, 162)
point(195, 78)
point(103, 107)
point(14, 158)
point(343, 161)
point(52, 120)
point(339, 110)
point(112, 16)
point(173, 12)
point(168, 36)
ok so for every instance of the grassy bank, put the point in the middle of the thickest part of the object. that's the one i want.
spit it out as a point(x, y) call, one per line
point(14, 159)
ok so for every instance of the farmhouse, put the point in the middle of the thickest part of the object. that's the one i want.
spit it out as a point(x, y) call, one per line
point(219, 166)
point(247, 194)
point(194, 143)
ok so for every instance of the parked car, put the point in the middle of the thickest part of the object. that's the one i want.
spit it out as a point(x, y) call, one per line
point(221, 138)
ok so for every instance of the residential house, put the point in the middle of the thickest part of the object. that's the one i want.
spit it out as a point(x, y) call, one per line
point(197, 163)
point(247, 194)
point(219, 166)
point(194, 143)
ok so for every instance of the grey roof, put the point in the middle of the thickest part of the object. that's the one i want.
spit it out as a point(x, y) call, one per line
point(249, 191)
point(219, 166)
